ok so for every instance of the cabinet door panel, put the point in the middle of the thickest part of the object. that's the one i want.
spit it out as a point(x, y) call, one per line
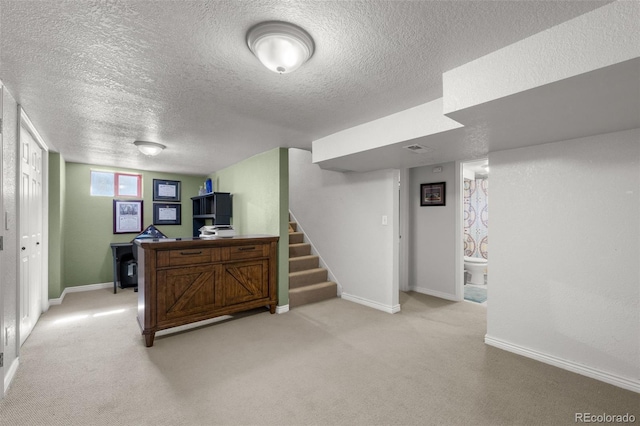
point(245, 281)
point(186, 291)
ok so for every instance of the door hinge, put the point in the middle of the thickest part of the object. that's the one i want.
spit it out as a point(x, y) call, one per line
point(1, 359)
point(1, 243)
point(0, 126)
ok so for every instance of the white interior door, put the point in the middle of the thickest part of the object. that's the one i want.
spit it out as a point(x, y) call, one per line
point(31, 241)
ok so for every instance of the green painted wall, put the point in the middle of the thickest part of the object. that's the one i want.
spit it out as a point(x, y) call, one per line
point(56, 219)
point(283, 247)
point(87, 228)
point(260, 189)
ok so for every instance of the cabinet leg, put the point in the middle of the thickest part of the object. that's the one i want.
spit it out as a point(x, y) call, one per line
point(148, 339)
point(272, 308)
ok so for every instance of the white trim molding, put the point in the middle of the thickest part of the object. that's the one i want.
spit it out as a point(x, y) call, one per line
point(435, 293)
point(76, 289)
point(13, 369)
point(603, 376)
point(282, 309)
point(372, 304)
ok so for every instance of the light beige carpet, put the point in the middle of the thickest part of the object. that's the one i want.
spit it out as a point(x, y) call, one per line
point(329, 363)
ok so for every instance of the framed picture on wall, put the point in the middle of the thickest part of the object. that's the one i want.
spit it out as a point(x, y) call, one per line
point(166, 190)
point(127, 216)
point(433, 194)
point(166, 214)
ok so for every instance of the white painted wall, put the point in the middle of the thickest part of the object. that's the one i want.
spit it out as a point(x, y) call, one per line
point(9, 255)
point(341, 213)
point(605, 36)
point(432, 234)
point(565, 255)
point(404, 126)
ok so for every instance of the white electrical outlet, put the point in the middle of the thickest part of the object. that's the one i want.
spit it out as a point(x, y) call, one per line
point(384, 220)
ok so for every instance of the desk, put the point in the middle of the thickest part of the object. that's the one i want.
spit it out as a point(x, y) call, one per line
point(119, 250)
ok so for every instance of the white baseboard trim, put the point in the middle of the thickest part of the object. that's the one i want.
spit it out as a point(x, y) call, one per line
point(282, 309)
point(622, 382)
point(76, 289)
point(435, 293)
point(370, 303)
point(11, 372)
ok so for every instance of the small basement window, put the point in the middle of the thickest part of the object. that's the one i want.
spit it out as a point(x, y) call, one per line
point(112, 184)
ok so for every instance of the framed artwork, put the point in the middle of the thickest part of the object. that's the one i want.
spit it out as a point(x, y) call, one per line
point(166, 190)
point(167, 214)
point(433, 194)
point(127, 216)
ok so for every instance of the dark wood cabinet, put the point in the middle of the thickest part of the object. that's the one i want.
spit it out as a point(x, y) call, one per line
point(213, 209)
point(244, 282)
point(184, 292)
point(190, 280)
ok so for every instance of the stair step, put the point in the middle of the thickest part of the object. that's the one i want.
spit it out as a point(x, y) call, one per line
point(302, 263)
point(299, 249)
point(308, 277)
point(312, 293)
point(296, 237)
point(293, 227)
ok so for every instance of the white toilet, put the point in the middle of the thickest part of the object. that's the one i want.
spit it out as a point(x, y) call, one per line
point(476, 267)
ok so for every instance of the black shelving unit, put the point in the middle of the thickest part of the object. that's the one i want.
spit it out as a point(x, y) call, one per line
point(211, 209)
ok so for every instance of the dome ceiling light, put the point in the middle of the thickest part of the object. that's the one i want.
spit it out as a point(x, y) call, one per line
point(149, 148)
point(280, 46)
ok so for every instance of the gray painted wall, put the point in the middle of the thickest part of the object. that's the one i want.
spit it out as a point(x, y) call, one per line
point(432, 234)
point(341, 213)
point(564, 266)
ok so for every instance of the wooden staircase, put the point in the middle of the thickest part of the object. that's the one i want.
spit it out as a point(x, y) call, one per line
point(308, 282)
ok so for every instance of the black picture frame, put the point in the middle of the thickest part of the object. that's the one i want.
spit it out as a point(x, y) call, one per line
point(167, 214)
point(433, 194)
point(127, 216)
point(166, 190)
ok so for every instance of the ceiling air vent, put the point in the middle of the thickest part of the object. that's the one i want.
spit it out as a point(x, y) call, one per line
point(419, 149)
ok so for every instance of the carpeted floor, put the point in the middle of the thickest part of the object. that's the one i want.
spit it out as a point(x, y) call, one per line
point(329, 363)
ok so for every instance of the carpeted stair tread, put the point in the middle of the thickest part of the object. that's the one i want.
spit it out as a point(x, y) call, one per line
point(312, 293)
point(307, 281)
point(299, 249)
point(307, 277)
point(296, 237)
point(301, 263)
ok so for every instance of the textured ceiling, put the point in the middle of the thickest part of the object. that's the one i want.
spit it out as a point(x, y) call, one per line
point(94, 76)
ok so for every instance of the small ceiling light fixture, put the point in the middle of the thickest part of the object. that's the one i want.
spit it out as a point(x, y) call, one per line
point(149, 148)
point(282, 47)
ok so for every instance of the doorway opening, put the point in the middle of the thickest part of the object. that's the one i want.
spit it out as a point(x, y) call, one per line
point(475, 229)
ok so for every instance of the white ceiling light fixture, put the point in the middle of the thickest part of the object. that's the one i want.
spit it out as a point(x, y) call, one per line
point(280, 46)
point(149, 148)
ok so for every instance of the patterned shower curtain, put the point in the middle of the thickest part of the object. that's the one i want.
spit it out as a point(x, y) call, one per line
point(476, 217)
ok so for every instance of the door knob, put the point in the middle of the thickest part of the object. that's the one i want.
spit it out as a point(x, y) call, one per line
point(24, 248)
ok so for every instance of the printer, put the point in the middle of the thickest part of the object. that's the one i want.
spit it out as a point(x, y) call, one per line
point(217, 231)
